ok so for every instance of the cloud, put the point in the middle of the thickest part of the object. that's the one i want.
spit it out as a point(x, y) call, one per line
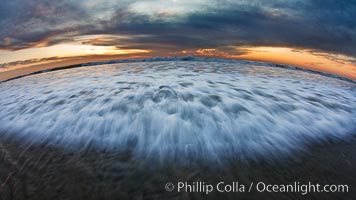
point(27, 62)
point(323, 25)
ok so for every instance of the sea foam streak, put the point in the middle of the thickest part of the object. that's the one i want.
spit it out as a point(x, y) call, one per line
point(179, 111)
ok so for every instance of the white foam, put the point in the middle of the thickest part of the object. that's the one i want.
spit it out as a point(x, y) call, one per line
point(179, 111)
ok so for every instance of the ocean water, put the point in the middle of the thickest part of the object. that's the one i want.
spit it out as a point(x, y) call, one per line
point(180, 111)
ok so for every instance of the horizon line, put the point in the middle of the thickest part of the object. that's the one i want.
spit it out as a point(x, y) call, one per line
point(185, 58)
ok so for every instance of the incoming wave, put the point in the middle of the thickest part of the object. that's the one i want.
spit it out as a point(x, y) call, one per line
point(179, 111)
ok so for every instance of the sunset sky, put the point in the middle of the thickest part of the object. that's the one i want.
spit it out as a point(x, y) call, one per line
point(315, 34)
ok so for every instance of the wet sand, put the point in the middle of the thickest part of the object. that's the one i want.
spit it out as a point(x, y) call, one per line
point(40, 172)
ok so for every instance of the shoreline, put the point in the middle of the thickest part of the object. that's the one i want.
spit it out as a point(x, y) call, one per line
point(40, 172)
point(28, 71)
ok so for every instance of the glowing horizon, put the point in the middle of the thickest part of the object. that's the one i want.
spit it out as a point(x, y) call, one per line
point(334, 64)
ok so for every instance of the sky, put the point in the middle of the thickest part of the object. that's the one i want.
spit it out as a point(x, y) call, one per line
point(315, 34)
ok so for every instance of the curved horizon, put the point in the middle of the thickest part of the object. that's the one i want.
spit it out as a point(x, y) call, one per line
point(11, 73)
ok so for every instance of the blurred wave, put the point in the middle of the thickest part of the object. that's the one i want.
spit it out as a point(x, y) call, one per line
point(179, 111)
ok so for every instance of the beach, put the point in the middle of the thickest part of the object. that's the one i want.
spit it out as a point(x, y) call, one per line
point(40, 172)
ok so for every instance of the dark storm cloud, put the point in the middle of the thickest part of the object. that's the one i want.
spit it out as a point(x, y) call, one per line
point(325, 25)
point(27, 23)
